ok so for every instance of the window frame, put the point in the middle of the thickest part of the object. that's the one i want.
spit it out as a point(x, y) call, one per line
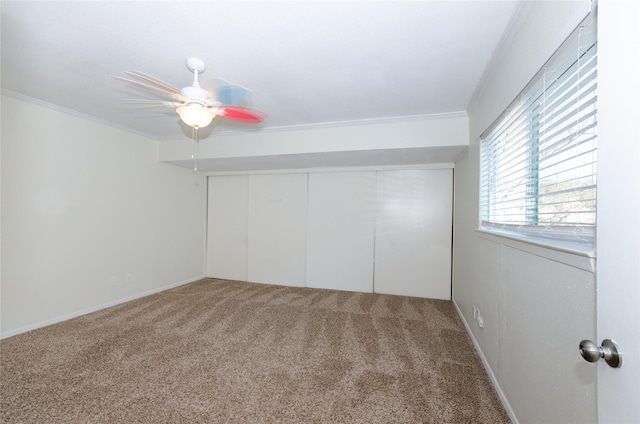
point(575, 238)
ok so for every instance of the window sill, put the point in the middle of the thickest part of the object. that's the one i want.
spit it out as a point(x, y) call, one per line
point(573, 254)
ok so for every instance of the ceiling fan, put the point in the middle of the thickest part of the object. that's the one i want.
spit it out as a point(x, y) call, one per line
point(197, 106)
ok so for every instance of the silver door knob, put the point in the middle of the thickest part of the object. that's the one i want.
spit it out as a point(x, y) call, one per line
point(608, 351)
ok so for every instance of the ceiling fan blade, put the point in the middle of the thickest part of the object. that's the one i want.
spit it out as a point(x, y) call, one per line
point(153, 89)
point(232, 95)
point(240, 114)
point(151, 102)
point(148, 79)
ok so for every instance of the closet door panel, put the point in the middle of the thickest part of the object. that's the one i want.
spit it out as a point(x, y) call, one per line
point(413, 233)
point(227, 227)
point(277, 229)
point(340, 233)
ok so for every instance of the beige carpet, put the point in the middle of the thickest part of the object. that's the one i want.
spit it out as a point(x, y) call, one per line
point(220, 351)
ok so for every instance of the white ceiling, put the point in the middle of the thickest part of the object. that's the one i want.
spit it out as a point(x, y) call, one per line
point(306, 62)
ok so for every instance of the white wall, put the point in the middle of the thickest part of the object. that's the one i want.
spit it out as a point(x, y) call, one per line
point(83, 206)
point(536, 304)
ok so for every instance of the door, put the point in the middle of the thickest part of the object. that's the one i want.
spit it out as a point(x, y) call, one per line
point(227, 227)
point(413, 233)
point(618, 301)
point(340, 230)
point(277, 229)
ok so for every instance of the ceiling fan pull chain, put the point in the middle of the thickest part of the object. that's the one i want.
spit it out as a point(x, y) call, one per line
point(194, 153)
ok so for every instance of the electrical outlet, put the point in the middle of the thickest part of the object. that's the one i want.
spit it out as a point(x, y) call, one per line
point(477, 317)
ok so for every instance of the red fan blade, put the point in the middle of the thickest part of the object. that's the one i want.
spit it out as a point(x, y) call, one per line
point(240, 114)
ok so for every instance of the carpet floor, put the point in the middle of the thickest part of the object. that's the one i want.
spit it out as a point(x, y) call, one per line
point(218, 351)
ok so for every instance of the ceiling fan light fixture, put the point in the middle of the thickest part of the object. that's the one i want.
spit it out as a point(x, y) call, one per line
point(195, 116)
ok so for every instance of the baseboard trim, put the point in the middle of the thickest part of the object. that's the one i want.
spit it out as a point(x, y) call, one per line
point(485, 363)
point(86, 311)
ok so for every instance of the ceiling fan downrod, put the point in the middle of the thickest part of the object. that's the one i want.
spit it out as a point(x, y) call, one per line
point(196, 66)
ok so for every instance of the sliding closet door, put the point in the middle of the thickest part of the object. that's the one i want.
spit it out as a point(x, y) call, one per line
point(277, 228)
point(227, 227)
point(413, 233)
point(340, 231)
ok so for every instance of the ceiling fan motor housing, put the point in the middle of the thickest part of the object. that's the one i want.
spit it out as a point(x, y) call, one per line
point(196, 93)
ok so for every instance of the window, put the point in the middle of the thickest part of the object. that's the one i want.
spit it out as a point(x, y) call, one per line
point(538, 159)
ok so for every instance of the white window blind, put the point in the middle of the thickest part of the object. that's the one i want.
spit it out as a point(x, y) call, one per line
point(538, 159)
